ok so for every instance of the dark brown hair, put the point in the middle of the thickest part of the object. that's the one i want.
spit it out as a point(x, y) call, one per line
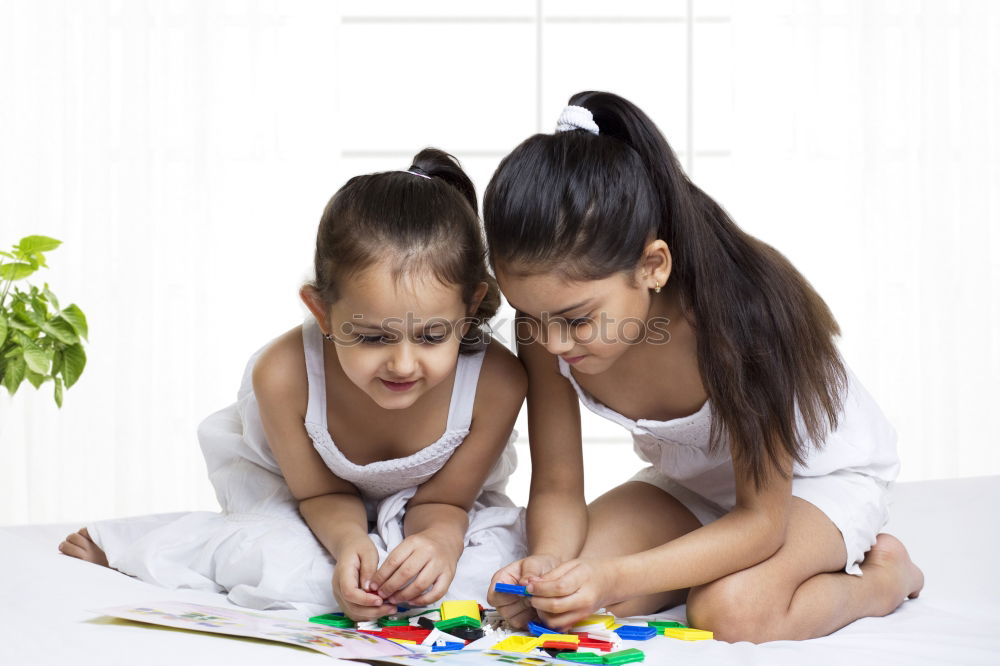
point(424, 220)
point(587, 205)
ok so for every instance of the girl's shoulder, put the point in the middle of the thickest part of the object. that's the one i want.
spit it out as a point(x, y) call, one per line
point(503, 381)
point(279, 373)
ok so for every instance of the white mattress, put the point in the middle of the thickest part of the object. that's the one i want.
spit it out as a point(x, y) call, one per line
point(950, 527)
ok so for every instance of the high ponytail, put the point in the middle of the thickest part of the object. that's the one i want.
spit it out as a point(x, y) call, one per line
point(586, 205)
point(422, 219)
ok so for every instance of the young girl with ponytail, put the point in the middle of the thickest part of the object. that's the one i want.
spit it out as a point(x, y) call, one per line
point(770, 464)
point(385, 422)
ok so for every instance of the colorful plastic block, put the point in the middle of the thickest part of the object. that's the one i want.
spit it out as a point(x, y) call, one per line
point(441, 646)
point(581, 657)
point(630, 632)
point(453, 609)
point(537, 629)
point(564, 638)
point(588, 641)
point(393, 621)
point(688, 634)
point(518, 644)
point(468, 633)
point(334, 620)
point(606, 620)
point(505, 588)
point(624, 656)
point(663, 624)
point(456, 622)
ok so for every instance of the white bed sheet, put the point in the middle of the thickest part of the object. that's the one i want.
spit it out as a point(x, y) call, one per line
point(950, 527)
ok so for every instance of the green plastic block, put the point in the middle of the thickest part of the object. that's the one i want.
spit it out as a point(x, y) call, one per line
point(460, 621)
point(581, 657)
point(334, 620)
point(660, 626)
point(624, 656)
point(393, 621)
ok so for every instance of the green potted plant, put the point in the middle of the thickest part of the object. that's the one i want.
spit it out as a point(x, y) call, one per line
point(39, 340)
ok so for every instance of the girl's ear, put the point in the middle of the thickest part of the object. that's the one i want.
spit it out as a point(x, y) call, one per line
point(655, 265)
point(319, 309)
point(477, 297)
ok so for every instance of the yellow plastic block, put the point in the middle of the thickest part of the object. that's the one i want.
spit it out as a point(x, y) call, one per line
point(564, 638)
point(453, 609)
point(518, 644)
point(403, 641)
point(686, 634)
point(615, 625)
point(606, 620)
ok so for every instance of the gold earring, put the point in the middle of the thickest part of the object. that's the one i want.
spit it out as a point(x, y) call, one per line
point(656, 287)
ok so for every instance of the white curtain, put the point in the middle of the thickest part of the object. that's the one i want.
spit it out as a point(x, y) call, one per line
point(867, 148)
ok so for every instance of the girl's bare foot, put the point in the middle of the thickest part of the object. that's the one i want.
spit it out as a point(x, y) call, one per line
point(889, 560)
point(80, 545)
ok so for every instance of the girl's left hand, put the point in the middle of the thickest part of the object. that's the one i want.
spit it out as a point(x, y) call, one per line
point(418, 571)
point(572, 591)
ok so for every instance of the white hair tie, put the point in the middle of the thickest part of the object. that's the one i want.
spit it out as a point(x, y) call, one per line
point(577, 117)
point(414, 173)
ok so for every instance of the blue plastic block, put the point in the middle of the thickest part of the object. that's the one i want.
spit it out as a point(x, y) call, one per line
point(537, 629)
point(630, 632)
point(519, 590)
point(441, 647)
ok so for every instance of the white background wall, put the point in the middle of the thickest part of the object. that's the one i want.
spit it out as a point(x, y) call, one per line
point(184, 150)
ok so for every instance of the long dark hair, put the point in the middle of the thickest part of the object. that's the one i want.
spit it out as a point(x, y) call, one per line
point(425, 219)
point(586, 206)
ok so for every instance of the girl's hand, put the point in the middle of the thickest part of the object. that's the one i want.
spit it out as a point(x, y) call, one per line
point(516, 610)
point(572, 591)
point(356, 563)
point(418, 571)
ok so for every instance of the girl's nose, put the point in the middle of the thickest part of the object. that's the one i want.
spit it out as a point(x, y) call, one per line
point(558, 339)
point(402, 361)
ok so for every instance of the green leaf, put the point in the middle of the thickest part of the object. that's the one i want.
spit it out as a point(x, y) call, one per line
point(57, 362)
point(77, 320)
point(51, 297)
point(60, 329)
point(8, 255)
point(36, 359)
point(37, 244)
point(38, 305)
point(33, 377)
point(74, 360)
point(3, 328)
point(59, 392)
point(14, 375)
point(16, 270)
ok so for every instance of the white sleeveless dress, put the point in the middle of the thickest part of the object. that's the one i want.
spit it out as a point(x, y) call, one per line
point(849, 476)
point(259, 550)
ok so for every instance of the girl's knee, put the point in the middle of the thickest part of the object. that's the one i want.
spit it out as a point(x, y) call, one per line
point(733, 610)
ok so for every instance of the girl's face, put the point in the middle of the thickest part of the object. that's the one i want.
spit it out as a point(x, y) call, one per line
point(396, 339)
point(591, 323)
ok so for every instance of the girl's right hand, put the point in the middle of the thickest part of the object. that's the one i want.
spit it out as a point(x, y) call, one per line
point(357, 561)
point(516, 610)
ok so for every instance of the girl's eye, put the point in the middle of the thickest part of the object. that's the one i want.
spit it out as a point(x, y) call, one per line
point(371, 339)
point(434, 339)
point(579, 321)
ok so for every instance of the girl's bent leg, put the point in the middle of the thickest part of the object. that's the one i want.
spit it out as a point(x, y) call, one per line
point(633, 517)
point(801, 591)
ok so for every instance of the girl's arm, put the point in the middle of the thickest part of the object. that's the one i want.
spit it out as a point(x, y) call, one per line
point(557, 509)
point(331, 507)
point(437, 515)
point(749, 534)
